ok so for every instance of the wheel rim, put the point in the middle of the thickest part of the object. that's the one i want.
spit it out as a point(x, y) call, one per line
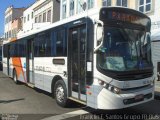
point(60, 93)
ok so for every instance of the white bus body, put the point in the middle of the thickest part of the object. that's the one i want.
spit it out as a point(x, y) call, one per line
point(73, 74)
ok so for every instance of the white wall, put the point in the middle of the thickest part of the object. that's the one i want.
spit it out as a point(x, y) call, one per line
point(156, 14)
point(28, 25)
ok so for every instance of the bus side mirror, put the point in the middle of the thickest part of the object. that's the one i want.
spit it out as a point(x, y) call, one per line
point(99, 35)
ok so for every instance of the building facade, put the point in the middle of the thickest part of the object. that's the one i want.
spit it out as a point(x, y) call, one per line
point(27, 19)
point(12, 16)
point(145, 6)
point(155, 15)
point(70, 8)
point(40, 14)
point(16, 27)
point(73, 7)
point(47, 11)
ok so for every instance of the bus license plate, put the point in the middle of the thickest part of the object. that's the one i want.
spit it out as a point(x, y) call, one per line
point(139, 97)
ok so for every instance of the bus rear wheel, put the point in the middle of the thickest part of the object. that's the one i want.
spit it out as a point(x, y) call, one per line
point(60, 93)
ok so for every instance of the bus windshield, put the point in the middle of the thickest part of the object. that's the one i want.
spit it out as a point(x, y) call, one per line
point(124, 49)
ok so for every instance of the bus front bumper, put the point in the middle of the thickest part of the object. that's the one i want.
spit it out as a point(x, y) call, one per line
point(108, 100)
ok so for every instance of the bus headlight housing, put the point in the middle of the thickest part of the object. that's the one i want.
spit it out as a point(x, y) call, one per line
point(117, 90)
point(109, 87)
point(102, 83)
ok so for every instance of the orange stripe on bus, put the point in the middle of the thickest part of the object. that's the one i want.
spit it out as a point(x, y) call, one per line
point(18, 66)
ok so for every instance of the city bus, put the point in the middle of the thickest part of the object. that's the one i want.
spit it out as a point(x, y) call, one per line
point(101, 59)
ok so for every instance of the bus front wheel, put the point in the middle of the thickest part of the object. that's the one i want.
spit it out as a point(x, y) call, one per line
point(60, 93)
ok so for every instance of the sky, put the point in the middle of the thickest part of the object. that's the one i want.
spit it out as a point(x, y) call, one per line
point(6, 3)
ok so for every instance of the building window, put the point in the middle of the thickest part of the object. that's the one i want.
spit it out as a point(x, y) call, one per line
point(122, 3)
point(9, 18)
point(64, 9)
point(71, 7)
point(24, 19)
point(12, 33)
point(90, 4)
point(6, 21)
point(80, 6)
point(106, 2)
point(28, 17)
point(44, 17)
point(32, 15)
point(145, 5)
point(5, 35)
point(49, 16)
point(40, 18)
point(36, 19)
point(9, 34)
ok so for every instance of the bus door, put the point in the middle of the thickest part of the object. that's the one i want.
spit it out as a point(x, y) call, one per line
point(77, 62)
point(8, 60)
point(30, 61)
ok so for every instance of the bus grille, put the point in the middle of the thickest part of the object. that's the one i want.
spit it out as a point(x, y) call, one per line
point(134, 76)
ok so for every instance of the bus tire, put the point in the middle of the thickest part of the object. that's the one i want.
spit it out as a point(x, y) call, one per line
point(60, 93)
point(15, 76)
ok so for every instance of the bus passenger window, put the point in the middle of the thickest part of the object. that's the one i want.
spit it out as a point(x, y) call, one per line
point(42, 46)
point(60, 43)
point(48, 44)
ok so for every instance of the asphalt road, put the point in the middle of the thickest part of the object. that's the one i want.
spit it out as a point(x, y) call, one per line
point(21, 99)
point(24, 103)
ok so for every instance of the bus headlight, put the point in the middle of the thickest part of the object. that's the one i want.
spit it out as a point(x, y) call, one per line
point(102, 83)
point(117, 90)
point(109, 87)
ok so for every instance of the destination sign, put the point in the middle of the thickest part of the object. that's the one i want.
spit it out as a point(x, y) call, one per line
point(121, 16)
point(124, 16)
